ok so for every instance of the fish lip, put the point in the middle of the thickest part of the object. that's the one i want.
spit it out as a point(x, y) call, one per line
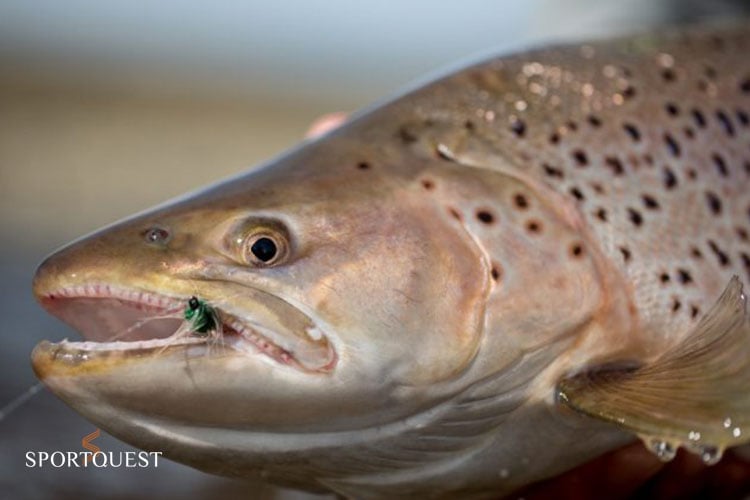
point(245, 339)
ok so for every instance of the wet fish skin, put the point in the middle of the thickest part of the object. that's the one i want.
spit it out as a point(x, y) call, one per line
point(464, 247)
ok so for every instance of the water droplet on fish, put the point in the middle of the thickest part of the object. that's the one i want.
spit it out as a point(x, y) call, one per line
point(694, 436)
point(736, 432)
point(665, 450)
point(727, 423)
point(710, 455)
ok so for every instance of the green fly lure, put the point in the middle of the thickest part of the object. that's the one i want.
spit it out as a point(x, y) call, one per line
point(202, 318)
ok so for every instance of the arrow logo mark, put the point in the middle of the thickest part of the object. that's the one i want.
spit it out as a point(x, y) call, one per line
point(88, 445)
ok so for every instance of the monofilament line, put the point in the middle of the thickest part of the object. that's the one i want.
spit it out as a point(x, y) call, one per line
point(20, 400)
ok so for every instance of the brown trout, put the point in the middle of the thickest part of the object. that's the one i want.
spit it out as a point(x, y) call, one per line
point(481, 284)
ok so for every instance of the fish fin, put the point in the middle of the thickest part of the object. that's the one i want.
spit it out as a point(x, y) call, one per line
point(696, 395)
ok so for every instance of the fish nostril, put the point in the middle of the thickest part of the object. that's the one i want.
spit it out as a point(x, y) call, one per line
point(156, 235)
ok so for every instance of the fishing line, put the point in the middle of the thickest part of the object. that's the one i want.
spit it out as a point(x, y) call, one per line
point(18, 401)
point(190, 326)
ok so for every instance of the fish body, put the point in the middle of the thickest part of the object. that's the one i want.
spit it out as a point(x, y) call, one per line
point(442, 271)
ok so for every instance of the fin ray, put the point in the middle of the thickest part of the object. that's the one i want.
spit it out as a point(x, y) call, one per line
point(697, 393)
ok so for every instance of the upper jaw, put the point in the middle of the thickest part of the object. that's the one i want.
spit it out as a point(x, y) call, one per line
point(136, 322)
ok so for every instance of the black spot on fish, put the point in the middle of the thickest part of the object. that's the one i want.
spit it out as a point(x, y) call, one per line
point(696, 253)
point(668, 75)
point(629, 92)
point(635, 217)
point(670, 179)
point(688, 131)
point(694, 311)
point(469, 125)
point(650, 202)
point(580, 157)
point(725, 122)
point(455, 213)
point(577, 193)
point(710, 72)
point(518, 127)
point(743, 118)
point(534, 226)
point(664, 277)
point(594, 121)
point(553, 171)
point(601, 214)
point(672, 109)
point(745, 86)
point(741, 233)
point(714, 202)
point(615, 165)
point(684, 276)
point(721, 255)
point(632, 131)
point(745, 262)
point(700, 119)
point(521, 201)
point(554, 138)
point(485, 216)
point(721, 165)
point(428, 184)
point(676, 304)
point(576, 250)
point(495, 272)
point(672, 145)
point(363, 165)
point(626, 254)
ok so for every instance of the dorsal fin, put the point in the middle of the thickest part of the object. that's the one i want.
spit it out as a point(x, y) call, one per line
point(696, 395)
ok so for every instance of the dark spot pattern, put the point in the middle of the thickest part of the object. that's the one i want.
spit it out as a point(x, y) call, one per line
point(684, 276)
point(485, 216)
point(721, 165)
point(518, 127)
point(615, 165)
point(700, 119)
point(720, 254)
point(553, 171)
point(626, 254)
point(534, 226)
point(635, 217)
point(363, 165)
point(726, 123)
point(672, 145)
point(520, 201)
point(650, 202)
point(495, 272)
point(632, 131)
point(714, 202)
point(580, 157)
point(670, 179)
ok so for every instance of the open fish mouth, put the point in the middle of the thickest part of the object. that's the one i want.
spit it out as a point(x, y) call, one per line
point(128, 321)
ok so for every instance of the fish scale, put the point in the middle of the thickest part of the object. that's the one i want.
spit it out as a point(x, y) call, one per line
point(637, 134)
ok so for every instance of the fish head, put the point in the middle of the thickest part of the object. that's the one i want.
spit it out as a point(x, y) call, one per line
point(342, 298)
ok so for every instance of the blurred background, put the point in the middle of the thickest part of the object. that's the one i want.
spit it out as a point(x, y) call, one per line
point(109, 107)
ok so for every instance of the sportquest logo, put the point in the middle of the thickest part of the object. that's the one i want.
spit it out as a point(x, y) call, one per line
point(94, 456)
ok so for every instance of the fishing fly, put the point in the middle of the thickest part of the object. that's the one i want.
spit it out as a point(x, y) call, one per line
point(201, 317)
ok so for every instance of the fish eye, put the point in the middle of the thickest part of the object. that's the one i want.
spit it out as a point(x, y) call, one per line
point(264, 248)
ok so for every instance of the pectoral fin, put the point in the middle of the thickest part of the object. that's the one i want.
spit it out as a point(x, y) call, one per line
point(696, 395)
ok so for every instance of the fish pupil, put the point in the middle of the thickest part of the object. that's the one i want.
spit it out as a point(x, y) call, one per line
point(264, 249)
